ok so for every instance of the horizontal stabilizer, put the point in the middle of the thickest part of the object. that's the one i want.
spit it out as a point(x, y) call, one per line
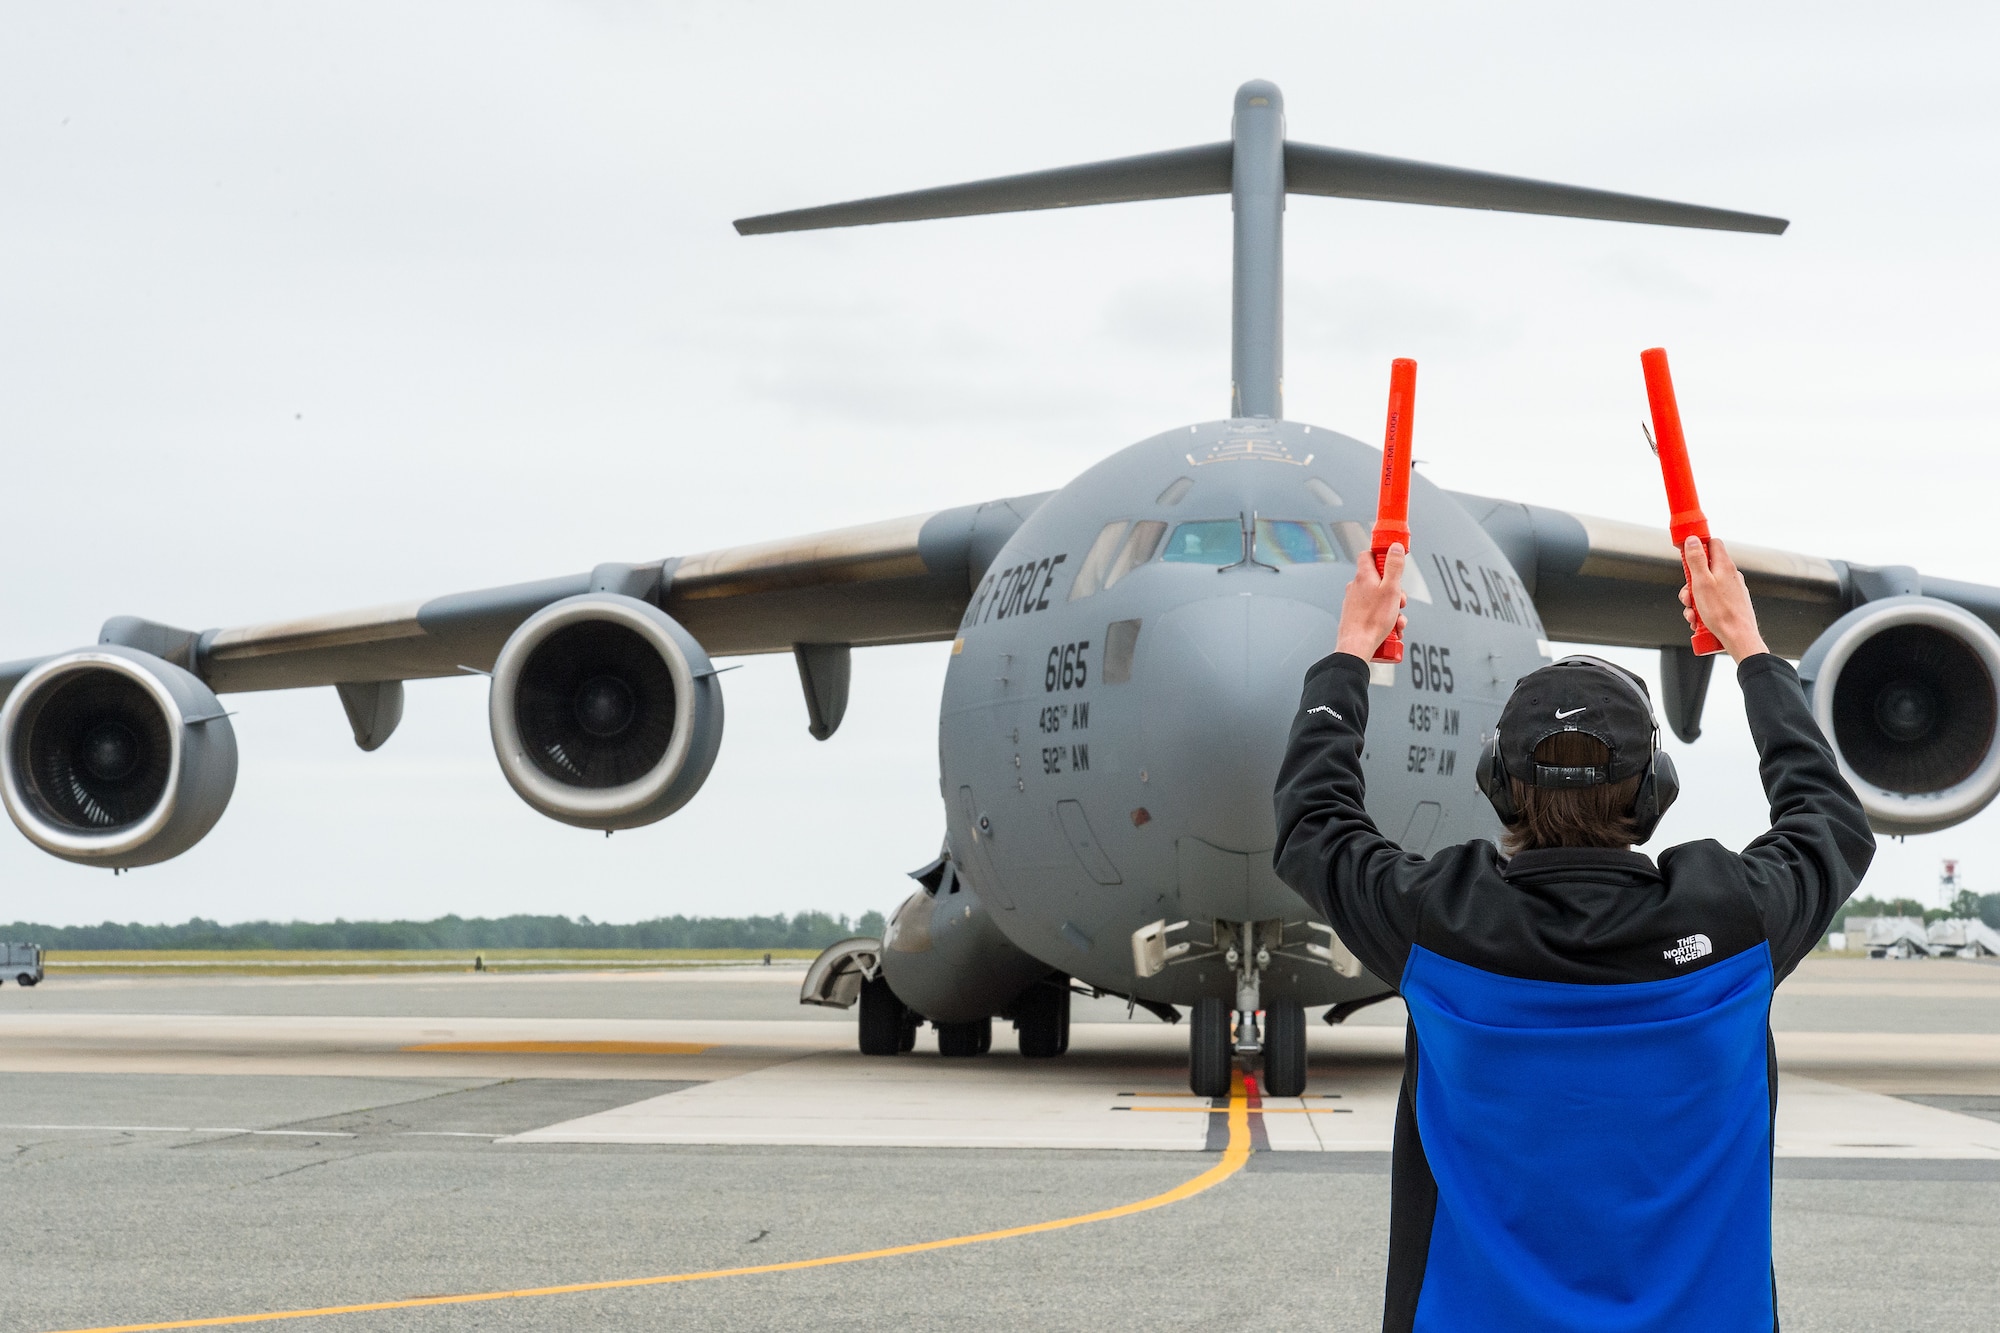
point(1343, 174)
point(1309, 169)
point(1170, 175)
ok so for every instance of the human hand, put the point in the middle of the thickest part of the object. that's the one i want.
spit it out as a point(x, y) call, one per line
point(1373, 605)
point(1716, 586)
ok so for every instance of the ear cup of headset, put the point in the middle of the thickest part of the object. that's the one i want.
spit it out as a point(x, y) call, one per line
point(1657, 792)
point(1490, 774)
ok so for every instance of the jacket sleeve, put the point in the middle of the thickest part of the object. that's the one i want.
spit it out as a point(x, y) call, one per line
point(1819, 845)
point(1329, 851)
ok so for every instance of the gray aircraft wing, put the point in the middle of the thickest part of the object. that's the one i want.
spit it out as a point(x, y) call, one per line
point(905, 580)
point(1606, 581)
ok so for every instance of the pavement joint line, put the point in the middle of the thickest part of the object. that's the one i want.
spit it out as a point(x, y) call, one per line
point(188, 1129)
point(1262, 1110)
point(1234, 1155)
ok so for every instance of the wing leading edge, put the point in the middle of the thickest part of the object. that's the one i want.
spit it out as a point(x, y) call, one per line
point(906, 580)
point(1606, 581)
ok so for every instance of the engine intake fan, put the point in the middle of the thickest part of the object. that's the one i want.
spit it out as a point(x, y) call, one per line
point(605, 712)
point(112, 757)
point(1908, 690)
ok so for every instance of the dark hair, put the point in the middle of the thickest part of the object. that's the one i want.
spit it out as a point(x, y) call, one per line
point(1599, 816)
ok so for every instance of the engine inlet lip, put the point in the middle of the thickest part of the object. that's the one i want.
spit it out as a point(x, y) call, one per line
point(561, 800)
point(17, 720)
point(1905, 812)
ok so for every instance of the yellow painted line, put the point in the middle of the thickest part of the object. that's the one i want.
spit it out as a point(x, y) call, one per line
point(1233, 1158)
point(565, 1047)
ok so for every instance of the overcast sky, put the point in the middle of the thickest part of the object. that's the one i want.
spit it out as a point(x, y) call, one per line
point(309, 306)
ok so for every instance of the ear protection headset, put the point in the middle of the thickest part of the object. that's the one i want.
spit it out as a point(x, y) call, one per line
point(1659, 784)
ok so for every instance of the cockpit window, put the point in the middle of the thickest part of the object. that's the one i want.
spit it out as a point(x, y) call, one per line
point(1140, 547)
point(1216, 541)
point(1285, 541)
point(1353, 539)
point(1090, 577)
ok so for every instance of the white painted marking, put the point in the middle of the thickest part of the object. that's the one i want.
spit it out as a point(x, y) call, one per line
point(839, 1098)
point(1818, 1119)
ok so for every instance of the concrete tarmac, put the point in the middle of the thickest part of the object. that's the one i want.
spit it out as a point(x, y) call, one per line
point(200, 1147)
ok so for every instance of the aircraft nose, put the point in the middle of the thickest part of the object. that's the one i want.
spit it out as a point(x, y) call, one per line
point(1221, 682)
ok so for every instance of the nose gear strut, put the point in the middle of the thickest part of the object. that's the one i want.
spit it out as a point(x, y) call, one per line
point(1249, 958)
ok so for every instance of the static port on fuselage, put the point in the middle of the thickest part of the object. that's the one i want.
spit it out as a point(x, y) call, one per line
point(1117, 702)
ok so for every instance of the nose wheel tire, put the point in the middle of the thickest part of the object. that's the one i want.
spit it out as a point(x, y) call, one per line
point(1284, 1050)
point(883, 1021)
point(965, 1039)
point(1209, 1060)
point(1042, 1019)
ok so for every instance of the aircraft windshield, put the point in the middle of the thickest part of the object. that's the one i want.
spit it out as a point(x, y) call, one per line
point(1137, 550)
point(1091, 576)
point(1286, 541)
point(1211, 542)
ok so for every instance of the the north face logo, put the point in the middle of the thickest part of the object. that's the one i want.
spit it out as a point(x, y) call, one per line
point(1689, 949)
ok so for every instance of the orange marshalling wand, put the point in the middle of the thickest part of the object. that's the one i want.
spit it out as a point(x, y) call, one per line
point(1685, 518)
point(1392, 507)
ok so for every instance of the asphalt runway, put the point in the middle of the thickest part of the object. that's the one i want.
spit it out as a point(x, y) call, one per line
point(197, 1147)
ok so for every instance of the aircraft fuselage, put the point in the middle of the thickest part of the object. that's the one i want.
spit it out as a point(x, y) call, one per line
point(1117, 703)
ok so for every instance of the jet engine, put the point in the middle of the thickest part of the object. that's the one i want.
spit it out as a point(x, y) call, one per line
point(1908, 690)
point(112, 757)
point(605, 712)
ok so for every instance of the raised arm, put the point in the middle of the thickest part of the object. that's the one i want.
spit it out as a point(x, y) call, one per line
point(1819, 845)
point(1329, 851)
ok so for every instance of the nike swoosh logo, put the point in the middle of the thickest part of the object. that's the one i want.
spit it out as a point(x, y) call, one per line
point(1560, 715)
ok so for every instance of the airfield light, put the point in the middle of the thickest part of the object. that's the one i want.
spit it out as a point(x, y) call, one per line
point(1392, 507)
point(1684, 506)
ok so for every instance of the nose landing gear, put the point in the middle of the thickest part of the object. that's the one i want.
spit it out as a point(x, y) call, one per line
point(1281, 1045)
point(1208, 1047)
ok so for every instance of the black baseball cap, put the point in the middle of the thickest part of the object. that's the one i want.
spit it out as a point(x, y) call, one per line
point(1581, 694)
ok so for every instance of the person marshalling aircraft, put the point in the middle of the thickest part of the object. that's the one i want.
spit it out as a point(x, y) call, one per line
point(1125, 660)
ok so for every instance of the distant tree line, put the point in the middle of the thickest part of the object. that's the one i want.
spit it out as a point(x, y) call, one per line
point(1986, 907)
point(807, 930)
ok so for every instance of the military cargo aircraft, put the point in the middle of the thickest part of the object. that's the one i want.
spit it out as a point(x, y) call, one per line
point(1126, 657)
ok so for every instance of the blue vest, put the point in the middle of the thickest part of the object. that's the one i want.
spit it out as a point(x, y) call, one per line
point(1602, 1152)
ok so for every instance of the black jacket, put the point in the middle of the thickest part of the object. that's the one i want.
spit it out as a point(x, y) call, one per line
point(1593, 959)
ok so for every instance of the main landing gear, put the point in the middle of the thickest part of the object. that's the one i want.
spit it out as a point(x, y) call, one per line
point(887, 1026)
point(1041, 1018)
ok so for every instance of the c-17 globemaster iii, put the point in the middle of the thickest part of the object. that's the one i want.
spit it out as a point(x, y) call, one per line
point(1126, 657)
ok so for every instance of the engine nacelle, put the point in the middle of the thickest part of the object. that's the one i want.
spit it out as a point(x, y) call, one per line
point(606, 713)
point(112, 757)
point(1908, 691)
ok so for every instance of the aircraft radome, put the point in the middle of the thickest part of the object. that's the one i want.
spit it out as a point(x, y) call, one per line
point(1126, 656)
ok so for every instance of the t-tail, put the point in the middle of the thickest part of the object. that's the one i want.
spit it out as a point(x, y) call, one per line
point(1256, 167)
